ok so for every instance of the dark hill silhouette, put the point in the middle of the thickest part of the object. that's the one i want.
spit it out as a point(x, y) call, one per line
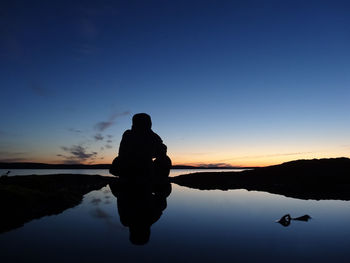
point(24, 198)
point(304, 179)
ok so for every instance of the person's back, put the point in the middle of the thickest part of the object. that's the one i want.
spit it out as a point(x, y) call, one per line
point(138, 147)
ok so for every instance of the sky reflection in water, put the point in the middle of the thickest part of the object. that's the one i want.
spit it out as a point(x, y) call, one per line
point(202, 226)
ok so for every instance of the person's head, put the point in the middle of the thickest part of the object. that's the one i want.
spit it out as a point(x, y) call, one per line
point(141, 122)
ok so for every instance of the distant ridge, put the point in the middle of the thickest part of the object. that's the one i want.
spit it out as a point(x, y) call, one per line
point(29, 165)
point(304, 179)
point(206, 167)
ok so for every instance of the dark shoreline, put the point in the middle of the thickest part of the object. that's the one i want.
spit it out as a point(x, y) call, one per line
point(316, 179)
point(24, 198)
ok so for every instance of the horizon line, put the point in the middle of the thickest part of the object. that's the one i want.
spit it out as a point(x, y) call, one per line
point(194, 166)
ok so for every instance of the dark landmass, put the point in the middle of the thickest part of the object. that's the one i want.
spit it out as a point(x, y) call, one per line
point(304, 179)
point(24, 198)
point(207, 167)
point(52, 166)
point(23, 165)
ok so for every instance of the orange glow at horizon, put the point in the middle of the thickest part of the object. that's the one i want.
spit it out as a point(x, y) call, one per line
point(256, 160)
point(245, 161)
point(249, 157)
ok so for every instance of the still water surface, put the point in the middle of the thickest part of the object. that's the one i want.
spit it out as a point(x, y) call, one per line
point(196, 226)
point(103, 172)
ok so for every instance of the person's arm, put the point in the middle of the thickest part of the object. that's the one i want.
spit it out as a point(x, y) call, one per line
point(123, 147)
point(160, 148)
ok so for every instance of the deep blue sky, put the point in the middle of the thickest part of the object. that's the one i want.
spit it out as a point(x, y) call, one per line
point(236, 82)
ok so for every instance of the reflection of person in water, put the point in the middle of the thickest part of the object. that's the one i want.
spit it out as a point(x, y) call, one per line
point(142, 168)
point(139, 207)
point(138, 147)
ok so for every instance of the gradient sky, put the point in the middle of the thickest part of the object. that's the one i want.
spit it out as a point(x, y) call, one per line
point(226, 82)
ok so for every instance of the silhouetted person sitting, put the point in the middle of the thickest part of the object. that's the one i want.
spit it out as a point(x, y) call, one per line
point(143, 168)
point(138, 148)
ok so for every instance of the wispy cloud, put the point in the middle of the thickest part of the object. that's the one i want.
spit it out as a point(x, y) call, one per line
point(212, 165)
point(12, 157)
point(74, 130)
point(103, 125)
point(98, 137)
point(13, 160)
point(77, 154)
point(7, 153)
